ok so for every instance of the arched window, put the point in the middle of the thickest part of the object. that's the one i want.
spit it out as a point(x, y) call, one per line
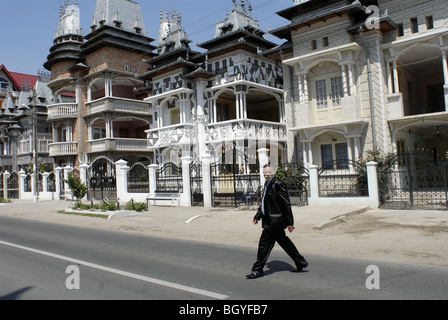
point(4, 84)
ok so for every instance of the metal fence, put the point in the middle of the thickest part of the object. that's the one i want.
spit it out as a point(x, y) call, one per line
point(138, 178)
point(169, 179)
point(340, 178)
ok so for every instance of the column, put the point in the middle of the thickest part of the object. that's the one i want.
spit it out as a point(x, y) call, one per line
point(445, 67)
point(305, 157)
point(305, 89)
point(345, 85)
point(237, 109)
point(310, 154)
point(244, 104)
point(45, 181)
point(300, 86)
point(207, 180)
point(351, 79)
point(389, 78)
point(395, 73)
point(357, 148)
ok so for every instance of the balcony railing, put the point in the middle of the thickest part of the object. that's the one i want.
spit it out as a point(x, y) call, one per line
point(62, 111)
point(171, 135)
point(117, 144)
point(114, 104)
point(246, 129)
point(63, 148)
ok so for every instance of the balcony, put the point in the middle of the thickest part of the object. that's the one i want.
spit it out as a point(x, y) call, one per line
point(179, 134)
point(63, 149)
point(62, 111)
point(117, 144)
point(246, 129)
point(114, 104)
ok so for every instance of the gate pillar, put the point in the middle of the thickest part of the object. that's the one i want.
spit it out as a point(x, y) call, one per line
point(372, 181)
point(122, 169)
point(185, 197)
point(207, 180)
point(6, 176)
point(57, 178)
point(153, 178)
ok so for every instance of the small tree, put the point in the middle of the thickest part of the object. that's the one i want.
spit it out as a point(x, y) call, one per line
point(79, 190)
point(386, 162)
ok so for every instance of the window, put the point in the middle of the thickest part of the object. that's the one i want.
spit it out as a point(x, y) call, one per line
point(342, 155)
point(429, 23)
point(400, 30)
point(313, 45)
point(4, 84)
point(321, 94)
point(326, 42)
point(337, 91)
point(331, 151)
point(414, 25)
point(326, 151)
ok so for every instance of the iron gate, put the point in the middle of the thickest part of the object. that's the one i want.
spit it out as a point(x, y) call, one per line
point(196, 184)
point(13, 185)
point(421, 182)
point(169, 179)
point(297, 179)
point(101, 180)
point(138, 179)
point(231, 190)
point(340, 178)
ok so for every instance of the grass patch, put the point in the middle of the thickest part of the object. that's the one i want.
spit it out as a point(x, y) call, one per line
point(92, 215)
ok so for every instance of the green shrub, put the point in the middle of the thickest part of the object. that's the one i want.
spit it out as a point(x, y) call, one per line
point(79, 190)
point(137, 206)
point(108, 206)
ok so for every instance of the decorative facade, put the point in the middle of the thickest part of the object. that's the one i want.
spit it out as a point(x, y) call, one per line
point(366, 75)
point(98, 112)
point(226, 102)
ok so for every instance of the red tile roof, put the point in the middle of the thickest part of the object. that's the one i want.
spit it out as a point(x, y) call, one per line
point(19, 78)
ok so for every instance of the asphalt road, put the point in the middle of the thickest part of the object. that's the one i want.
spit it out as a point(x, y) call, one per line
point(37, 259)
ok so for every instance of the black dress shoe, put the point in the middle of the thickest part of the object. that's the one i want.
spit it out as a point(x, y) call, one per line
point(302, 266)
point(255, 275)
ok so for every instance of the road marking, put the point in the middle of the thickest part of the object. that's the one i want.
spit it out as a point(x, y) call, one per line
point(120, 272)
point(191, 219)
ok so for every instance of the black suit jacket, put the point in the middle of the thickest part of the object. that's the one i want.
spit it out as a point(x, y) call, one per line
point(277, 207)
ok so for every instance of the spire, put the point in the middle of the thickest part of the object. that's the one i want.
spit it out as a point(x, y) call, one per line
point(122, 14)
point(69, 20)
point(171, 34)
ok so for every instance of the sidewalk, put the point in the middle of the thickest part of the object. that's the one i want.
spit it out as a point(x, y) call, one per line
point(417, 237)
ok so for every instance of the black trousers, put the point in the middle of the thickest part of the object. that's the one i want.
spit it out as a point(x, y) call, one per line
point(266, 244)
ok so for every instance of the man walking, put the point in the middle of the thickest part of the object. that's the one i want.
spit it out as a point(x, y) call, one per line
point(276, 215)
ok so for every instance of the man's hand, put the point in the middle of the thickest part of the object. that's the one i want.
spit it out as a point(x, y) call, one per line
point(291, 228)
point(255, 221)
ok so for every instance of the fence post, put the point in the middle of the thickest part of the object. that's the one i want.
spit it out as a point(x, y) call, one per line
point(57, 181)
point(185, 197)
point(45, 181)
point(314, 184)
point(6, 176)
point(372, 181)
point(121, 168)
point(83, 173)
point(207, 180)
point(68, 191)
point(22, 175)
point(153, 178)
